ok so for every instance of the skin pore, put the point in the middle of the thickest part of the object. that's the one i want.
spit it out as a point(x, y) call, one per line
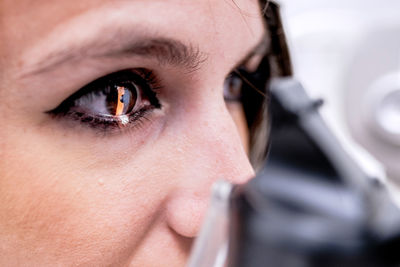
point(74, 193)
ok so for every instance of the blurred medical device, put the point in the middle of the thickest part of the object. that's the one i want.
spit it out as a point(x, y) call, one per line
point(348, 53)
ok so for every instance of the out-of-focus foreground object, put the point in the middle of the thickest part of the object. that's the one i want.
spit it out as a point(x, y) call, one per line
point(348, 53)
point(312, 205)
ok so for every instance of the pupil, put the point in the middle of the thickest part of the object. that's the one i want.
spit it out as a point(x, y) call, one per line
point(121, 99)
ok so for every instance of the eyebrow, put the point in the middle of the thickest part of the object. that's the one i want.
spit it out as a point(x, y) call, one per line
point(165, 50)
point(128, 43)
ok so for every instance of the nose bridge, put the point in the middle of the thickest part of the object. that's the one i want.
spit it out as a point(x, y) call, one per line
point(215, 145)
point(213, 150)
point(224, 148)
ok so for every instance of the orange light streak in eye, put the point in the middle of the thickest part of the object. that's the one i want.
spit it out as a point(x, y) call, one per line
point(120, 104)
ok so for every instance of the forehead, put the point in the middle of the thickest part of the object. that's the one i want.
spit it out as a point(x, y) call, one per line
point(231, 25)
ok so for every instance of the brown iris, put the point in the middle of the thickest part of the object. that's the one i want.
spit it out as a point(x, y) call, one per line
point(122, 99)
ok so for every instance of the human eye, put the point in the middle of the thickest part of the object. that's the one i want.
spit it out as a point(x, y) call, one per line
point(112, 102)
point(232, 90)
point(239, 83)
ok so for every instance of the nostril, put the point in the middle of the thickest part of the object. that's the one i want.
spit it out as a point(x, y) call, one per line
point(185, 212)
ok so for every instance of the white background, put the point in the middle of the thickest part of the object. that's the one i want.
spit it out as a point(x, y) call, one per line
point(341, 51)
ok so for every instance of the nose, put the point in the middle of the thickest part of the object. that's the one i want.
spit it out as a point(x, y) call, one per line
point(212, 149)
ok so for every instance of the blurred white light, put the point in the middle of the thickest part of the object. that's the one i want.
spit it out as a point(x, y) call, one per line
point(388, 113)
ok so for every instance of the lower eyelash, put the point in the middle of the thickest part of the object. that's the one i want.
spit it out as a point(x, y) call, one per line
point(111, 124)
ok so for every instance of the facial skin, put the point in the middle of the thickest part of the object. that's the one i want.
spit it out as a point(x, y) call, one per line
point(71, 194)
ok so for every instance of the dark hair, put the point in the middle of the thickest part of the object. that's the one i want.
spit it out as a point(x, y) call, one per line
point(275, 63)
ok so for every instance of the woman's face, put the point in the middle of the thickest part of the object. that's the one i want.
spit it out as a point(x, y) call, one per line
point(117, 172)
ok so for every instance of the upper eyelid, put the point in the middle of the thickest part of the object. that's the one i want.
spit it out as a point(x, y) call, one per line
point(90, 88)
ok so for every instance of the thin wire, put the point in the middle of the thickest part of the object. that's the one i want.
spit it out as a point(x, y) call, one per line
point(250, 84)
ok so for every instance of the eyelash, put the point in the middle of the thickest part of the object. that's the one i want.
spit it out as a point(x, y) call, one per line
point(144, 81)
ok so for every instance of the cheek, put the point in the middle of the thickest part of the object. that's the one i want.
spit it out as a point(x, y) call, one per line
point(56, 204)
